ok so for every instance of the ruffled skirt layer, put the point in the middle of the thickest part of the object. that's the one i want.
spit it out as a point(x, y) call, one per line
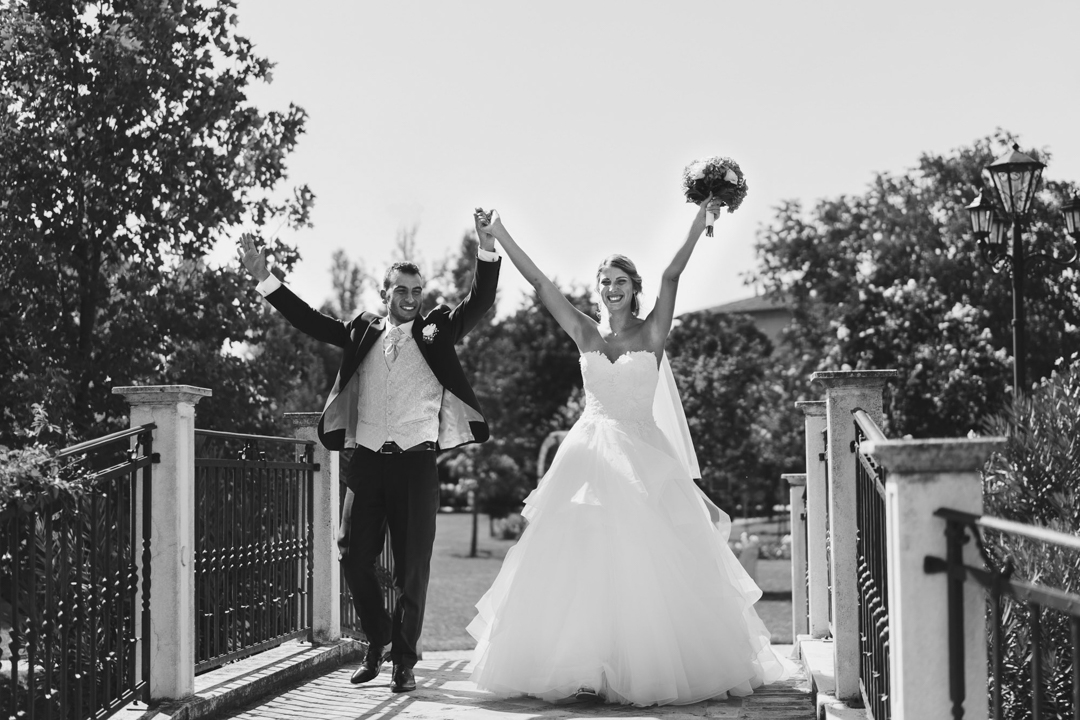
point(623, 582)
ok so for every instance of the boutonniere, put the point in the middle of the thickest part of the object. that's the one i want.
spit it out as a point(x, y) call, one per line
point(429, 334)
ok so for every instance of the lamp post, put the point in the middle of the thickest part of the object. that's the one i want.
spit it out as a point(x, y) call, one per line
point(1016, 177)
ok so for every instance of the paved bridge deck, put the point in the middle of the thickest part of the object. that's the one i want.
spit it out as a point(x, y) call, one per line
point(444, 692)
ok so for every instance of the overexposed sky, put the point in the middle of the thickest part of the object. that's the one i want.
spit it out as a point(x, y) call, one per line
point(575, 118)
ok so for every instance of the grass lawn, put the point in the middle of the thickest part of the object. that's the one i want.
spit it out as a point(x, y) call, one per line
point(458, 582)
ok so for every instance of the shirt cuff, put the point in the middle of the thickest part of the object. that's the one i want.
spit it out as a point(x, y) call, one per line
point(487, 255)
point(268, 285)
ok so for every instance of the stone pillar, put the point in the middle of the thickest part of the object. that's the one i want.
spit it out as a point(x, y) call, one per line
point(922, 476)
point(846, 391)
point(816, 517)
point(172, 535)
point(797, 498)
point(327, 592)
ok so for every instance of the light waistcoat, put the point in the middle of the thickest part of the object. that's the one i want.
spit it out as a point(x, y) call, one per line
point(399, 402)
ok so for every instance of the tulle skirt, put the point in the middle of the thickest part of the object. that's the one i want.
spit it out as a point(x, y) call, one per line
point(623, 582)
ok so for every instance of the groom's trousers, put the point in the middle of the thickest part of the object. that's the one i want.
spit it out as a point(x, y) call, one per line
point(399, 492)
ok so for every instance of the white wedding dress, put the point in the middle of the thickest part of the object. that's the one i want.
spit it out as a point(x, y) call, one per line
point(623, 581)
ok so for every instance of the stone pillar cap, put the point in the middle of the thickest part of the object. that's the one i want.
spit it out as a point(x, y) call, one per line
point(937, 455)
point(162, 394)
point(811, 408)
point(794, 478)
point(865, 378)
point(302, 419)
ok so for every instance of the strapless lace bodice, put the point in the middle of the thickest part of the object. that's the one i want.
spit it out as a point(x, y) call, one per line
point(621, 390)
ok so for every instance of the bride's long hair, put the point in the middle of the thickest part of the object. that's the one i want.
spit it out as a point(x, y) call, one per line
point(627, 266)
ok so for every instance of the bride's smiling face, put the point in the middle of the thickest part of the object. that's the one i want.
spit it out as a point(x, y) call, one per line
point(616, 289)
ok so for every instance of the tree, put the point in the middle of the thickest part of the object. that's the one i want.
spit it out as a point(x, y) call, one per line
point(891, 279)
point(719, 363)
point(350, 281)
point(127, 148)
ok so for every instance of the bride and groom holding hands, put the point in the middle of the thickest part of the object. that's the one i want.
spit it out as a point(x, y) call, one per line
point(622, 588)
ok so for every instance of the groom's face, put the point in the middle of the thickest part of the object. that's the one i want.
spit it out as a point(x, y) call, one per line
point(403, 296)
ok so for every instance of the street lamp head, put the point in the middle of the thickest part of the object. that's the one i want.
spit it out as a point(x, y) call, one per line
point(1016, 177)
point(999, 229)
point(981, 212)
point(1071, 211)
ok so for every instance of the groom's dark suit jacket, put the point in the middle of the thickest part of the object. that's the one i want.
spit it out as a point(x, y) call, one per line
point(436, 334)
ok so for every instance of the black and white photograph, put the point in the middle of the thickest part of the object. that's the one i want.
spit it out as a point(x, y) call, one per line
point(503, 360)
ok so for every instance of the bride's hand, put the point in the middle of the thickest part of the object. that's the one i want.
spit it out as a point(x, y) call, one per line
point(711, 204)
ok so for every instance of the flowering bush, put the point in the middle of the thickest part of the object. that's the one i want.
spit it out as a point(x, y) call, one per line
point(942, 348)
point(770, 547)
point(510, 527)
point(1035, 481)
point(30, 476)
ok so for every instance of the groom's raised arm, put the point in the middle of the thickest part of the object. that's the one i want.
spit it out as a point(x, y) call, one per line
point(299, 314)
point(481, 297)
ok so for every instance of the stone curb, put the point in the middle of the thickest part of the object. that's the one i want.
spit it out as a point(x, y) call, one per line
point(241, 688)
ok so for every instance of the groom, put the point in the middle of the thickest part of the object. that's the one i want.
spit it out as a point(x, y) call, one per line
point(399, 396)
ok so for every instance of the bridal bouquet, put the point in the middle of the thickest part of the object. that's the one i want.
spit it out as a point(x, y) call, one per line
point(718, 177)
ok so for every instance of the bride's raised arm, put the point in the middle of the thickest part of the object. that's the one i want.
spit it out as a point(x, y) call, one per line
point(663, 311)
point(579, 326)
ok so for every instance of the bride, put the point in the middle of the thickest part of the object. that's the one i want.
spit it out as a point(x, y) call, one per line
point(622, 588)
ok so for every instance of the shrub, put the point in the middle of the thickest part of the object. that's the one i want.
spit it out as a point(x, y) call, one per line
point(510, 527)
point(1035, 482)
point(30, 476)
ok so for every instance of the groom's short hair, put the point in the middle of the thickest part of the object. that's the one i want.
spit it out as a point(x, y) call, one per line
point(406, 267)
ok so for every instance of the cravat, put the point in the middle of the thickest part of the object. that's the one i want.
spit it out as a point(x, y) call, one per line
point(395, 338)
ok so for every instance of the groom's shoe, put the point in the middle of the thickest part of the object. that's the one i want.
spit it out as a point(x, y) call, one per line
point(404, 681)
point(370, 667)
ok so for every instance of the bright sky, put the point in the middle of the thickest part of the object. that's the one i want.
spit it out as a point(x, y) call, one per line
point(575, 118)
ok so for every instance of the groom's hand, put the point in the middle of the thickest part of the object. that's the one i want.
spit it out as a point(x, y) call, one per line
point(490, 223)
point(253, 260)
point(482, 220)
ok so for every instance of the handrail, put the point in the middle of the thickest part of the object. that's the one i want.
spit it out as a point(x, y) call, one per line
point(868, 426)
point(1051, 597)
point(105, 440)
point(999, 583)
point(989, 522)
point(242, 436)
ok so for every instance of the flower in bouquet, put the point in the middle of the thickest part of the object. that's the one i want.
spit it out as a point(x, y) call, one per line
point(718, 177)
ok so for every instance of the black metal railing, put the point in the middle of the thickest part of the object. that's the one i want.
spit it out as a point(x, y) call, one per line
point(1016, 601)
point(872, 571)
point(806, 554)
point(253, 544)
point(77, 625)
point(384, 568)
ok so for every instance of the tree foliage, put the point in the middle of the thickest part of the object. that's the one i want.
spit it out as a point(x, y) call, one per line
point(127, 149)
point(892, 279)
point(720, 363)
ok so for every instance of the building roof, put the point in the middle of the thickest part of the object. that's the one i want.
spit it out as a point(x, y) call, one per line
point(756, 304)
